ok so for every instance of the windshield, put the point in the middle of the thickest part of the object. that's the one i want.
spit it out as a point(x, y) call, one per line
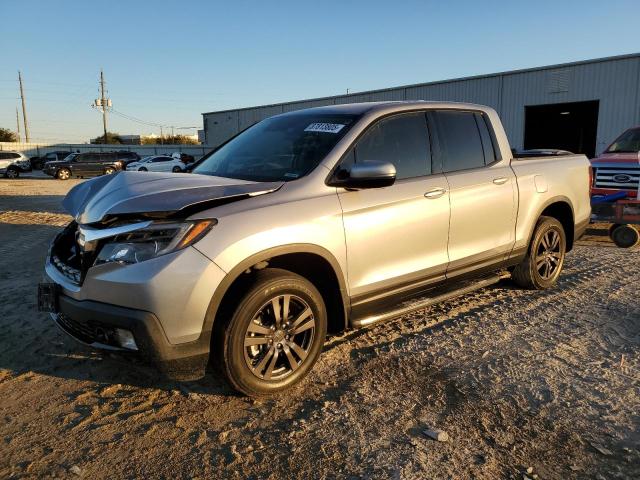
point(278, 149)
point(70, 157)
point(628, 142)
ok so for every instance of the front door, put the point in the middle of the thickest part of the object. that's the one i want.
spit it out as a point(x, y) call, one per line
point(396, 236)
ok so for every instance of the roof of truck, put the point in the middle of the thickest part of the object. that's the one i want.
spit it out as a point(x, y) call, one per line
point(366, 107)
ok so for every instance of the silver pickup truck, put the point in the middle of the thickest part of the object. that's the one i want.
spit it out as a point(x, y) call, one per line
point(312, 221)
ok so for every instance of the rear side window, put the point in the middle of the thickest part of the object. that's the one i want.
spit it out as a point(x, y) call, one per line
point(105, 157)
point(487, 142)
point(458, 137)
point(402, 140)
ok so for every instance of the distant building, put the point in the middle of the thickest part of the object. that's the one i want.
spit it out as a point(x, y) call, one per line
point(580, 106)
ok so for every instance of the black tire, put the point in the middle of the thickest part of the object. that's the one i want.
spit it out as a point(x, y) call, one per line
point(542, 266)
point(176, 169)
point(625, 236)
point(12, 172)
point(142, 169)
point(63, 174)
point(612, 228)
point(248, 368)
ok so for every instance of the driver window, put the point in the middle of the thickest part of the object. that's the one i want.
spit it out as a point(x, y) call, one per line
point(402, 140)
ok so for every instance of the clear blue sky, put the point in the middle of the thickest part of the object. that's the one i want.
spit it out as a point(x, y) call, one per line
point(168, 61)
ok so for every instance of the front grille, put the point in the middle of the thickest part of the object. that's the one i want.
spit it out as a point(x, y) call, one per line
point(71, 273)
point(67, 257)
point(625, 177)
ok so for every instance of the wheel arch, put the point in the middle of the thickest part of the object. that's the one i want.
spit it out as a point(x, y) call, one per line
point(313, 262)
point(560, 208)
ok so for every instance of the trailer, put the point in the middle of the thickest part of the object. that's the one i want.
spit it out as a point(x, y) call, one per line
point(623, 214)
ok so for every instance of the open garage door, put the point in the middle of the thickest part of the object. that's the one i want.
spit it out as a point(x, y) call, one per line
point(564, 126)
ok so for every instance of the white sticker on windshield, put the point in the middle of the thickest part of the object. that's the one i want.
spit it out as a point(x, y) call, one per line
point(324, 127)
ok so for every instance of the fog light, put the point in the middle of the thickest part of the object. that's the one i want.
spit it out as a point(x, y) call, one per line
point(125, 339)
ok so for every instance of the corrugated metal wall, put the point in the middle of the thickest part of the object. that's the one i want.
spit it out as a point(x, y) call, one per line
point(615, 82)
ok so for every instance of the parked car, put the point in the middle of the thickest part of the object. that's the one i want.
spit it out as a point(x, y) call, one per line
point(38, 162)
point(158, 163)
point(328, 218)
point(185, 157)
point(13, 163)
point(128, 157)
point(617, 169)
point(84, 165)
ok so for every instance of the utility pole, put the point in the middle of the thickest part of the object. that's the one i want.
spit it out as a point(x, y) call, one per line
point(161, 137)
point(24, 110)
point(18, 124)
point(103, 103)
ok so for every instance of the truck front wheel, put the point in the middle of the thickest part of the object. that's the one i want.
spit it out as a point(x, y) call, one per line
point(541, 267)
point(275, 335)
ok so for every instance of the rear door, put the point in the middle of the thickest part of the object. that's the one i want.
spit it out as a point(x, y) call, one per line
point(158, 164)
point(81, 165)
point(482, 190)
point(396, 236)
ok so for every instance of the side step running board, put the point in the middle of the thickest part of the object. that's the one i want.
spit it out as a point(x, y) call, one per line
point(420, 304)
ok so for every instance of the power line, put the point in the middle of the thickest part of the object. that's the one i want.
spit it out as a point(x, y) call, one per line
point(147, 123)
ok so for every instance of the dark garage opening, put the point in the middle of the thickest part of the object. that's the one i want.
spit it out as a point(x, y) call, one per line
point(564, 126)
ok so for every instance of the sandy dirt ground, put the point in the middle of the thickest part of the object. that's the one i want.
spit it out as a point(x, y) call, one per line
point(541, 382)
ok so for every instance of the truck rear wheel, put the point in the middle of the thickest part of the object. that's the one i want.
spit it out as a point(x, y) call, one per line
point(541, 267)
point(275, 334)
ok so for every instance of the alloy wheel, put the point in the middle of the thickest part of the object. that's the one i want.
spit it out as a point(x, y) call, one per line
point(63, 174)
point(548, 258)
point(279, 337)
point(11, 173)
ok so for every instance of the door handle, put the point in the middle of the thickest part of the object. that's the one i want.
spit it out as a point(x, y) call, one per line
point(435, 193)
point(500, 180)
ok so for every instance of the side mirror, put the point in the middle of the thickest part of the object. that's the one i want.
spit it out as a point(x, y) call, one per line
point(367, 174)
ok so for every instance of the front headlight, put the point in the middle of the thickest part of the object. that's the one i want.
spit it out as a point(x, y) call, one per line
point(153, 241)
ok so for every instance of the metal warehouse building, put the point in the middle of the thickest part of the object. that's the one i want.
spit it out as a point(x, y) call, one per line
point(580, 106)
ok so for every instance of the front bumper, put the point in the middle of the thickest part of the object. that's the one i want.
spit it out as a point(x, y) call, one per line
point(163, 302)
point(89, 323)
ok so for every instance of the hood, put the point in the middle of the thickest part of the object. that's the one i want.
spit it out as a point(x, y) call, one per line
point(155, 194)
point(625, 157)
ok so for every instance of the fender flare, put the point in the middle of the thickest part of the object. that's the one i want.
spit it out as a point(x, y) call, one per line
point(542, 208)
point(240, 268)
